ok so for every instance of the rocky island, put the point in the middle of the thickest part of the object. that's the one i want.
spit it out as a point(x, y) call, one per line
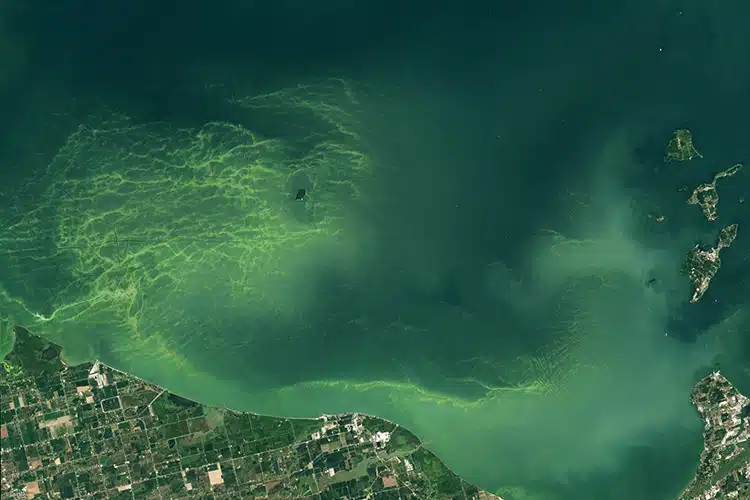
point(706, 195)
point(680, 147)
point(724, 468)
point(701, 265)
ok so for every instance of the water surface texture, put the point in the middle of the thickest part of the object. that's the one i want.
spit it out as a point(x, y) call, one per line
point(447, 214)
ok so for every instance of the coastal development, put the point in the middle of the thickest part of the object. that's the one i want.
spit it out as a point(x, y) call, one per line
point(701, 265)
point(706, 196)
point(724, 470)
point(680, 147)
point(90, 431)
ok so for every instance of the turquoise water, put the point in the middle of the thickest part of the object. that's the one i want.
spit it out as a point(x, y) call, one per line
point(474, 259)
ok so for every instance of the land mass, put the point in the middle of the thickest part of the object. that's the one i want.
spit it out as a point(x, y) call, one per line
point(680, 147)
point(701, 265)
point(724, 469)
point(707, 197)
point(90, 431)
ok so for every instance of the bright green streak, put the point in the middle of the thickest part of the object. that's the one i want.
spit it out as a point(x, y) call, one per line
point(150, 238)
point(142, 223)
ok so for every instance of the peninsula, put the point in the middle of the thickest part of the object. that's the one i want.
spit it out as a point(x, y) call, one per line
point(724, 469)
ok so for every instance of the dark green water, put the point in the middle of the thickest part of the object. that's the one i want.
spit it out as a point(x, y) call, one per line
point(472, 258)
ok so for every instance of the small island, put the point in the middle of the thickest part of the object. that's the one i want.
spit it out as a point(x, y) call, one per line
point(706, 195)
point(680, 147)
point(702, 265)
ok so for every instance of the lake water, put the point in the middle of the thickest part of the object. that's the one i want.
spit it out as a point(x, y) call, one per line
point(476, 257)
